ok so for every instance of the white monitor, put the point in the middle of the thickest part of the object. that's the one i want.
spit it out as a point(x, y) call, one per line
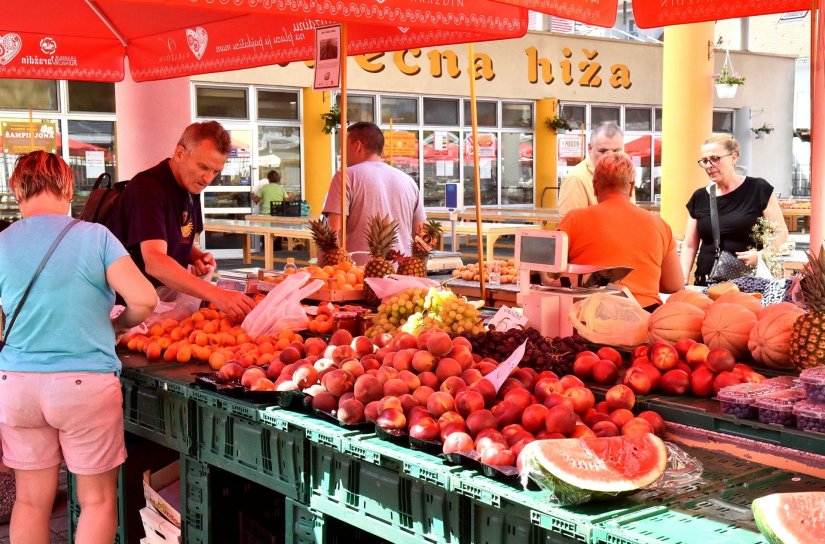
point(541, 250)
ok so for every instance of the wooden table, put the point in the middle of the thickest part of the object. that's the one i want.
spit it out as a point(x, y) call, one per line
point(792, 215)
point(538, 216)
point(278, 219)
point(490, 231)
point(269, 230)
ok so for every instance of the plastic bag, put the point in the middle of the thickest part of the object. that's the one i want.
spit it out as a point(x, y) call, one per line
point(395, 283)
point(680, 470)
point(281, 308)
point(610, 319)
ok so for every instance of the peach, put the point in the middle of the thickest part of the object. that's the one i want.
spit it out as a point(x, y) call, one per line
point(346, 396)
point(534, 418)
point(402, 359)
point(453, 385)
point(487, 390)
point(391, 419)
point(304, 376)
point(723, 379)
point(527, 376)
point(591, 418)
point(636, 425)
point(458, 441)
point(683, 345)
point(675, 382)
point(620, 417)
point(507, 412)
point(480, 420)
point(429, 379)
point(586, 353)
point(289, 355)
point(554, 399)
point(701, 382)
point(663, 356)
point(583, 366)
point(490, 438)
point(408, 402)
point(611, 355)
point(371, 410)
point(560, 419)
point(422, 394)
point(439, 403)
point(252, 375)
point(512, 430)
point(620, 396)
point(570, 380)
point(450, 417)
point(485, 367)
point(342, 353)
point(471, 376)
point(546, 386)
point(657, 423)
point(439, 343)
point(423, 361)
point(602, 407)
point(605, 372)
point(468, 401)
point(370, 362)
point(314, 346)
point(341, 337)
point(463, 355)
point(637, 380)
point(368, 388)
point(325, 402)
point(412, 380)
point(231, 371)
point(404, 340)
point(285, 384)
point(720, 360)
point(337, 382)
point(605, 429)
point(351, 411)
point(390, 402)
point(461, 341)
point(395, 388)
point(425, 428)
point(362, 345)
point(263, 384)
point(582, 431)
point(415, 413)
point(518, 446)
point(520, 397)
point(353, 367)
point(583, 399)
point(383, 340)
point(508, 385)
point(447, 368)
point(639, 352)
point(386, 373)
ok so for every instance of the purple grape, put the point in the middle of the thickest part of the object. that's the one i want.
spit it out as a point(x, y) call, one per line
point(815, 392)
point(813, 424)
point(740, 410)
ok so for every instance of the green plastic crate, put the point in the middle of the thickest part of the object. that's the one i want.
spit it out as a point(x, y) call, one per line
point(492, 526)
point(232, 436)
point(316, 430)
point(154, 411)
point(73, 509)
point(416, 464)
point(195, 501)
point(383, 502)
point(303, 526)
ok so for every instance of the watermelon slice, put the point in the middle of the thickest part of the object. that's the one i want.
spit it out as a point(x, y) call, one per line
point(791, 518)
point(576, 470)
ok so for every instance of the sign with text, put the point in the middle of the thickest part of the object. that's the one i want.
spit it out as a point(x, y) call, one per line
point(502, 372)
point(327, 57)
point(571, 146)
point(507, 318)
point(23, 137)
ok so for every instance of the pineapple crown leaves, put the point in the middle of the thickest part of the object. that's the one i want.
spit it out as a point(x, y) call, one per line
point(812, 283)
point(382, 235)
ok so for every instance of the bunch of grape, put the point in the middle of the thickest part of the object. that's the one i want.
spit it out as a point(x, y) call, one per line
point(414, 310)
point(542, 353)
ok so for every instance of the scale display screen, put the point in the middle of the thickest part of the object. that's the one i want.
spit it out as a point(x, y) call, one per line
point(543, 251)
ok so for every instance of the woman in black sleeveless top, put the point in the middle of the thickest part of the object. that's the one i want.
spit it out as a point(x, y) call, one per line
point(740, 200)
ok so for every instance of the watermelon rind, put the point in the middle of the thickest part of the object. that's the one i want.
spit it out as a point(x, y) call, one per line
point(576, 470)
point(791, 518)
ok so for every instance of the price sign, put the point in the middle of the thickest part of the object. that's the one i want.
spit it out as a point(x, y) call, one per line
point(497, 376)
point(507, 318)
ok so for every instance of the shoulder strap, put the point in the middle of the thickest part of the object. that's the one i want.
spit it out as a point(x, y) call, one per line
point(714, 219)
point(36, 274)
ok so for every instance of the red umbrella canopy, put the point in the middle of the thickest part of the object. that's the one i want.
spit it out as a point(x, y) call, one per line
point(88, 39)
point(656, 13)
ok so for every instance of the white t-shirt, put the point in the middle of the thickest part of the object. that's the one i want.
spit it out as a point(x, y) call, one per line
point(375, 187)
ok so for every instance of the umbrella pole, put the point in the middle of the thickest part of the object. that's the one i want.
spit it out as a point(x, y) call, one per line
point(344, 136)
point(476, 171)
point(817, 126)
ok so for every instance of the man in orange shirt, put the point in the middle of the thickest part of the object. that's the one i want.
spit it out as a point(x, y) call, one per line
point(615, 232)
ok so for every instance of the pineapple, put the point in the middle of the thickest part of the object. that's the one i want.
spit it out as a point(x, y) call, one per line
point(416, 263)
point(382, 235)
point(327, 240)
point(808, 337)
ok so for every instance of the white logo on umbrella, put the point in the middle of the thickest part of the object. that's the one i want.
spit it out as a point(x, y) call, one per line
point(196, 40)
point(10, 45)
point(48, 46)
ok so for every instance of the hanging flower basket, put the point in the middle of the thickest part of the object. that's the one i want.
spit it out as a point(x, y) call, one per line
point(724, 90)
point(764, 130)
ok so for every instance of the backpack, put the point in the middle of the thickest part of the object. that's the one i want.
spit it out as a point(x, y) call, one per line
point(102, 200)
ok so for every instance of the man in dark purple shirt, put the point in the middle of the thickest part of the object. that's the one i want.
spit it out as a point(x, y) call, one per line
point(159, 215)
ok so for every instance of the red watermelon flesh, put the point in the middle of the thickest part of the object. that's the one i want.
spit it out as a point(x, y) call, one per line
point(609, 465)
point(791, 518)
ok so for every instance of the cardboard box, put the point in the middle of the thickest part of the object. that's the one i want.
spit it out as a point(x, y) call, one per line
point(158, 529)
point(162, 492)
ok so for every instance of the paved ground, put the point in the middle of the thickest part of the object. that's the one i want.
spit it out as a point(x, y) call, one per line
point(60, 520)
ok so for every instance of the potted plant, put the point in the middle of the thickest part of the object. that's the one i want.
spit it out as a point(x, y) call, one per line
point(332, 120)
point(727, 82)
point(559, 124)
point(762, 131)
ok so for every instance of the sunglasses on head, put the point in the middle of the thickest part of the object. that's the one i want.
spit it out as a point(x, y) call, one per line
point(704, 162)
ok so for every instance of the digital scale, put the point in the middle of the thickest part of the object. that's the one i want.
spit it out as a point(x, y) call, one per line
point(546, 307)
point(443, 261)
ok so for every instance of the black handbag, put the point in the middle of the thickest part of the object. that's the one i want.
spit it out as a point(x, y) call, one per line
point(726, 266)
point(36, 274)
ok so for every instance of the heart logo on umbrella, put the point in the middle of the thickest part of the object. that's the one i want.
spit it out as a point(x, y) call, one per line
point(404, 29)
point(196, 40)
point(10, 45)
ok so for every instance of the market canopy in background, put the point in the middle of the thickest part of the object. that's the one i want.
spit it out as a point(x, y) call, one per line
point(88, 40)
point(656, 13)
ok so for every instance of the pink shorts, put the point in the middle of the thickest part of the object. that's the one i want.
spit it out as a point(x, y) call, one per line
point(48, 417)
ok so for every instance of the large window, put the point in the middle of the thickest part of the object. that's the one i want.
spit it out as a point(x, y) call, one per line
point(221, 102)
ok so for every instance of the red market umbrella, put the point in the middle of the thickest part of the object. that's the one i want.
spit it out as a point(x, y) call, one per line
point(88, 39)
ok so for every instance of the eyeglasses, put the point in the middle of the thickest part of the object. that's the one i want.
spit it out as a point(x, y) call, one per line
point(713, 159)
